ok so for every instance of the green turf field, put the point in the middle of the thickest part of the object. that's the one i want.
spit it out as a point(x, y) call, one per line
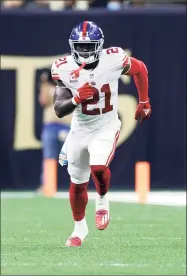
point(141, 239)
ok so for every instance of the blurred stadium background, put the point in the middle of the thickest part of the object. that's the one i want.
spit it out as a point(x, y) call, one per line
point(142, 239)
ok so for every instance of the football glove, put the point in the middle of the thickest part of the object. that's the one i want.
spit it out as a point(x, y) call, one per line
point(63, 158)
point(84, 92)
point(143, 111)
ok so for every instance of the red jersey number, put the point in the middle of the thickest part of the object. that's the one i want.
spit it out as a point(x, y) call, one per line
point(113, 50)
point(96, 111)
point(60, 61)
point(94, 100)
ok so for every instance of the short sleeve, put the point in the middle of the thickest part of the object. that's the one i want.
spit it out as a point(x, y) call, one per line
point(118, 61)
point(55, 72)
point(122, 61)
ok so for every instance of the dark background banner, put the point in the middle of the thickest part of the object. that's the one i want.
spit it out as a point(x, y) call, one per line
point(31, 41)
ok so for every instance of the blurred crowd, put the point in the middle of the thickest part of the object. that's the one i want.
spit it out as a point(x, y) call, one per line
point(82, 4)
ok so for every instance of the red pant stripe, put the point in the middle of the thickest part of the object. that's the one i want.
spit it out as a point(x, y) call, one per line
point(110, 157)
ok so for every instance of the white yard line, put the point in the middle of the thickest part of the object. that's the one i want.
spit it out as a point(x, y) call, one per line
point(153, 198)
point(78, 264)
point(136, 265)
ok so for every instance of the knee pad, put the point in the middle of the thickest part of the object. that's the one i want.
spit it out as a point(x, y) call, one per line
point(78, 175)
point(79, 180)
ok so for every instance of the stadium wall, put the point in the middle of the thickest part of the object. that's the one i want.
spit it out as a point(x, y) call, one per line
point(31, 41)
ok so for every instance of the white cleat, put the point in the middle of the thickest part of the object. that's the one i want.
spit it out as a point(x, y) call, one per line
point(79, 234)
point(102, 215)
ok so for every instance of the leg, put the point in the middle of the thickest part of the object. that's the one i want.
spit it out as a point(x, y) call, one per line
point(102, 149)
point(78, 200)
point(79, 171)
point(101, 176)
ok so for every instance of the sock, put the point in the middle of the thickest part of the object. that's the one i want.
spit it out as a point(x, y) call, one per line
point(101, 176)
point(102, 202)
point(78, 200)
point(80, 229)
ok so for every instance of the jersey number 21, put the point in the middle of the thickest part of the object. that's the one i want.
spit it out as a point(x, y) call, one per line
point(96, 111)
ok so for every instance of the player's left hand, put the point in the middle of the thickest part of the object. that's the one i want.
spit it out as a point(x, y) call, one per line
point(63, 159)
point(143, 111)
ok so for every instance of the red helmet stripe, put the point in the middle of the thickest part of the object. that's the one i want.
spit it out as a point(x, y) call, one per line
point(84, 28)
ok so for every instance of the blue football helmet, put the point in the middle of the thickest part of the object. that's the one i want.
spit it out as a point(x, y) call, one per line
point(86, 42)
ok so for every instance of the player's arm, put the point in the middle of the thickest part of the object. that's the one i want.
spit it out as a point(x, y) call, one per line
point(65, 103)
point(63, 100)
point(137, 69)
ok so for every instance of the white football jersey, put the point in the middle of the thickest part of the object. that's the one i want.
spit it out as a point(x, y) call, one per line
point(102, 108)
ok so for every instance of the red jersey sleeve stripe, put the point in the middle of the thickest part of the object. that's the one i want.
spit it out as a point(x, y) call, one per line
point(126, 61)
point(55, 77)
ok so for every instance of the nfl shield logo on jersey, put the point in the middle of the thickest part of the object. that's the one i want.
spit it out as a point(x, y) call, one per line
point(72, 79)
point(91, 76)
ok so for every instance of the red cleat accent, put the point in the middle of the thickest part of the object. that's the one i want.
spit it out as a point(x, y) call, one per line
point(102, 219)
point(74, 242)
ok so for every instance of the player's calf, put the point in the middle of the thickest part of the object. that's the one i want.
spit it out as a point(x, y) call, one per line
point(101, 176)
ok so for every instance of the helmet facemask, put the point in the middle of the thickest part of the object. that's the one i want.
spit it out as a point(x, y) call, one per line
point(86, 51)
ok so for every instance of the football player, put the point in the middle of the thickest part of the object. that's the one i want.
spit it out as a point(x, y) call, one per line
point(87, 85)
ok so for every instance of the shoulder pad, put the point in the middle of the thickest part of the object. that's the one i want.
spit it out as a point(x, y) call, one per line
point(114, 51)
point(59, 65)
point(117, 56)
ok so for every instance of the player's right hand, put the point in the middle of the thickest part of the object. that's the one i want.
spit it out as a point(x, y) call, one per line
point(84, 92)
